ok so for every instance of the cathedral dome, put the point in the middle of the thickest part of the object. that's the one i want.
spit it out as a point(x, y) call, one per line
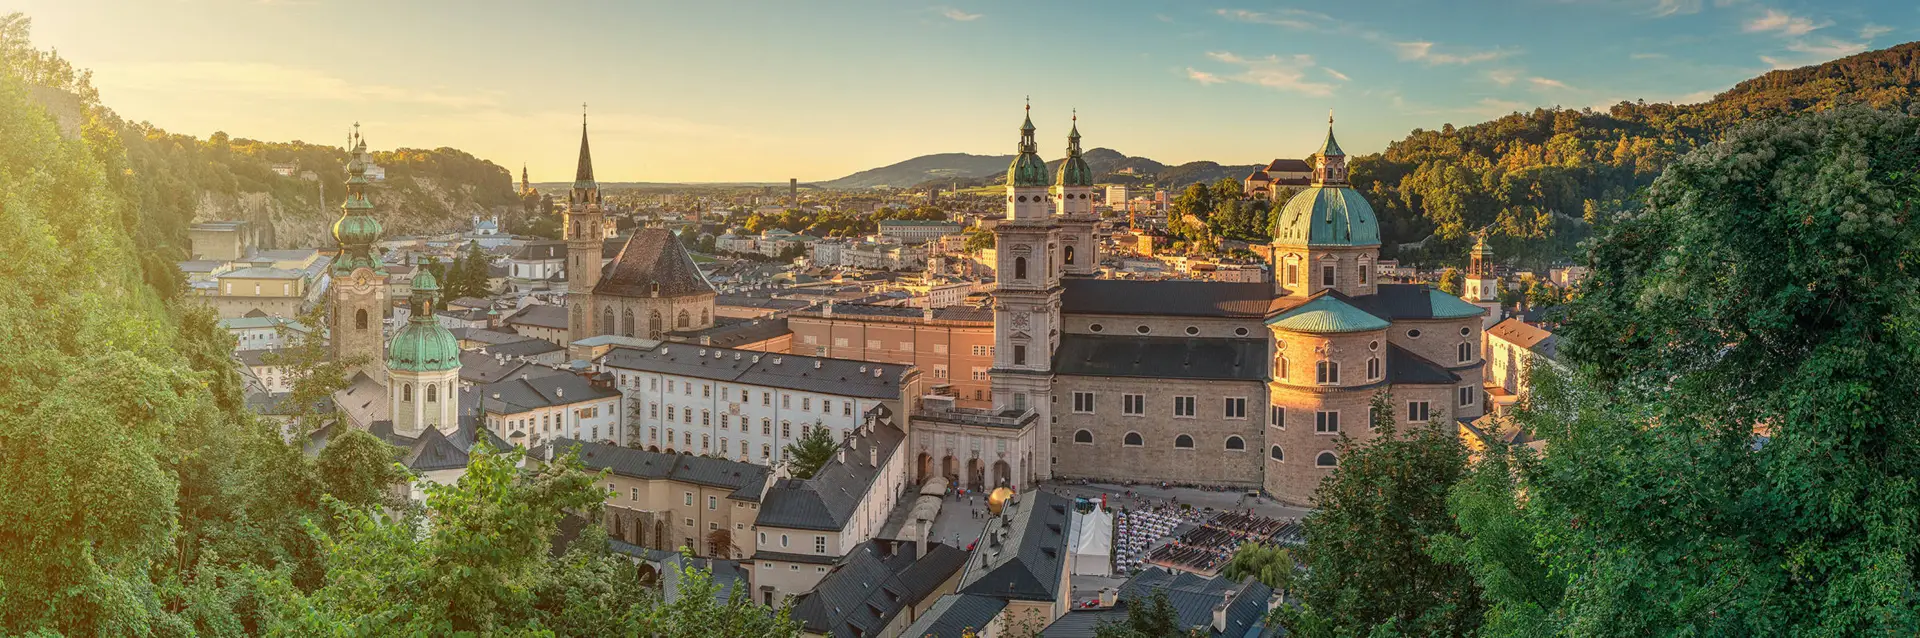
point(1027, 168)
point(1327, 215)
point(424, 345)
point(1074, 170)
point(356, 230)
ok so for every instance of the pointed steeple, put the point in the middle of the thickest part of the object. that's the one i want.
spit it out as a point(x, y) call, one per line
point(525, 186)
point(583, 174)
point(356, 231)
point(1329, 163)
point(1027, 168)
point(1330, 147)
point(1074, 170)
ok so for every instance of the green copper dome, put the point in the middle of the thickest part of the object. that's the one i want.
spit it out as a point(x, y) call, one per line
point(1074, 170)
point(424, 345)
point(1325, 315)
point(1327, 215)
point(1329, 147)
point(356, 229)
point(1027, 168)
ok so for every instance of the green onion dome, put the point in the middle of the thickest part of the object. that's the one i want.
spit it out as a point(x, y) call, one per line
point(1074, 170)
point(424, 345)
point(1027, 168)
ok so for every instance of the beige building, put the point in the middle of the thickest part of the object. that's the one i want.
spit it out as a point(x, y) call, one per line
point(670, 501)
point(1016, 582)
point(220, 240)
point(260, 291)
point(806, 526)
point(951, 346)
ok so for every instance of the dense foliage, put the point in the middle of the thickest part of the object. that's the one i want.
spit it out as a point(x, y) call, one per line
point(810, 452)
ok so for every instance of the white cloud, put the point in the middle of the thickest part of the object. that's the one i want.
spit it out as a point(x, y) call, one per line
point(1872, 31)
point(1425, 53)
point(1336, 74)
point(1290, 18)
point(1827, 47)
point(1503, 77)
point(262, 80)
point(957, 15)
point(1546, 83)
point(1664, 8)
point(1274, 72)
point(1785, 24)
point(1203, 77)
point(1648, 56)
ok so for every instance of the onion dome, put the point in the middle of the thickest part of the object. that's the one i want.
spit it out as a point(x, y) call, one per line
point(424, 345)
point(1027, 168)
point(356, 231)
point(1074, 170)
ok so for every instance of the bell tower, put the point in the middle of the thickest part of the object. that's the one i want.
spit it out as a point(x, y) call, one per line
point(359, 289)
point(1026, 302)
point(1482, 286)
point(585, 235)
point(1073, 207)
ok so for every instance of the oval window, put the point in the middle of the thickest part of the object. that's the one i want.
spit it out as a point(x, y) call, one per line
point(1373, 346)
point(1413, 334)
point(1240, 331)
point(1143, 330)
point(1464, 331)
point(1096, 327)
point(1193, 330)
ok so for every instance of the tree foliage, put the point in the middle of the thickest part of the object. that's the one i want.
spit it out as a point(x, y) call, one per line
point(811, 452)
point(1150, 616)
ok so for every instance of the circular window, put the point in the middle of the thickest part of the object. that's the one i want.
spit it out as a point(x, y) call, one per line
point(1192, 330)
point(1023, 198)
point(1465, 331)
point(1096, 327)
point(1413, 334)
point(1373, 346)
point(1143, 330)
point(1240, 331)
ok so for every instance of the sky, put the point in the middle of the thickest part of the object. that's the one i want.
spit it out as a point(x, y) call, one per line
point(722, 90)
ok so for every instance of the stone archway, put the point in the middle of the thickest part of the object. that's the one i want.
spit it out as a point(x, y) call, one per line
point(1002, 474)
point(924, 468)
point(950, 468)
point(976, 474)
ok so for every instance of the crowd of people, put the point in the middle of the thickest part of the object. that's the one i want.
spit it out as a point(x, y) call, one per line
point(1135, 530)
point(1208, 548)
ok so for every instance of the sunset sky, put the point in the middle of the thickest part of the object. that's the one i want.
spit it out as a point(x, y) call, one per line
point(762, 91)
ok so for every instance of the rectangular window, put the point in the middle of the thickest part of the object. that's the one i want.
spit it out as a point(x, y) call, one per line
point(706, 418)
point(906, 346)
point(723, 422)
point(689, 498)
point(653, 410)
point(1133, 404)
point(1019, 355)
point(1326, 422)
point(819, 544)
point(636, 495)
point(1326, 275)
point(1278, 416)
point(806, 404)
point(786, 430)
point(706, 391)
point(840, 342)
point(713, 502)
point(1366, 273)
point(1183, 407)
point(766, 398)
point(1466, 395)
point(810, 340)
point(979, 374)
point(1293, 274)
point(670, 413)
point(939, 371)
point(653, 383)
point(939, 348)
point(1236, 407)
point(846, 409)
point(1419, 411)
point(1466, 351)
point(1373, 368)
point(1083, 402)
point(873, 344)
point(669, 386)
point(786, 401)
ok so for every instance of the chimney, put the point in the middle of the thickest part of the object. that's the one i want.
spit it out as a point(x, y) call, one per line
point(873, 455)
point(816, 364)
point(1220, 612)
point(843, 455)
point(559, 393)
point(1109, 597)
point(926, 314)
point(827, 311)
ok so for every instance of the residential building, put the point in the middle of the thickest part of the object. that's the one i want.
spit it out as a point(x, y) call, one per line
point(529, 411)
point(807, 525)
point(952, 345)
point(878, 589)
point(917, 231)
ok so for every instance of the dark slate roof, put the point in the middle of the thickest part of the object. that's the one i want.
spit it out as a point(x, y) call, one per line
point(463, 314)
point(1161, 357)
point(1164, 298)
point(432, 450)
point(843, 377)
point(763, 303)
point(540, 315)
point(653, 256)
point(745, 478)
point(470, 302)
point(1289, 166)
point(735, 333)
point(543, 250)
point(1410, 301)
point(949, 313)
point(478, 369)
point(489, 337)
point(1406, 368)
point(1193, 598)
point(729, 575)
point(256, 358)
point(517, 395)
point(954, 615)
point(815, 559)
point(1022, 552)
point(827, 501)
point(868, 588)
point(524, 348)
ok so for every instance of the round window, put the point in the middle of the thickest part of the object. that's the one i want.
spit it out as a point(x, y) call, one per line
point(1023, 198)
point(1464, 331)
point(1413, 334)
point(1373, 345)
point(1143, 329)
point(1096, 327)
point(1240, 331)
point(1192, 330)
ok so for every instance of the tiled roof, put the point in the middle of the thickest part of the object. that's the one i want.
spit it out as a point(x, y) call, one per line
point(1414, 301)
point(523, 348)
point(1327, 313)
point(544, 250)
point(516, 395)
point(653, 257)
point(954, 615)
point(489, 337)
point(685, 468)
point(1406, 368)
point(949, 313)
point(827, 501)
point(1167, 298)
point(735, 333)
point(1523, 334)
point(1289, 166)
point(869, 587)
point(1161, 357)
point(1022, 552)
point(481, 369)
point(842, 377)
point(1193, 597)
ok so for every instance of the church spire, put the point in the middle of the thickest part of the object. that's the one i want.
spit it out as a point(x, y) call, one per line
point(356, 231)
point(585, 190)
point(1027, 168)
point(1074, 170)
point(1329, 163)
point(525, 186)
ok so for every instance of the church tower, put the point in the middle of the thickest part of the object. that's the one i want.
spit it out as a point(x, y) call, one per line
point(359, 290)
point(1073, 204)
point(1326, 237)
point(585, 235)
point(423, 367)
point(1482, 286)
point(1026, 303)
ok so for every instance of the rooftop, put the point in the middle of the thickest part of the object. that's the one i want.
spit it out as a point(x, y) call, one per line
point(841, 377)
point(745, 479)
point(1021, 555)
point(516, 395)
point(1169, 298)
point(827, 501)
point(872, 584)
point(653, 263)
point(1194, 598)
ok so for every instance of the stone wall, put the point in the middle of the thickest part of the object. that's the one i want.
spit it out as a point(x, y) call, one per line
point(1156, 458)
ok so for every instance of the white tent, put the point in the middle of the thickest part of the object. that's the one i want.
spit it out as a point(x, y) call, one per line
point(1093, 543)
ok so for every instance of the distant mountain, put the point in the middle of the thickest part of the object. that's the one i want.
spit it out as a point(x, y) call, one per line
point(1109, 166)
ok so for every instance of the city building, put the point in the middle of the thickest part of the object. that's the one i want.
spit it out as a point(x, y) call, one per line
point(665, 501)
point(951, 346)
point(261, 333)
point(1017, 575)
point(914, 231)
point(220, 240)
point(878, 589)
point(1277, 179)
point(540, 321)
point(1213, 607)
point(534, 263)
point(807, 525)
point(529, 411)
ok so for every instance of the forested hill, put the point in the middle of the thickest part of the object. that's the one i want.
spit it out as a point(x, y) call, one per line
point(1109, 167)
point(1544, 180)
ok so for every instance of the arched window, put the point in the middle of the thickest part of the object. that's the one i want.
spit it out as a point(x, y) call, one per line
point(1280, 368)
point(653, 325)
point(1083, 436)
point(1466, 351)
point(406, 392)
point(360, 319)
point(1373, 368)
point(626, 322)
point(1069, 255)
point(433, 393)
point(1236, 443)
point(1019, 268)
point(1183, 442)
point(1326, 459)
point(1326, 372)
point(606, 321)
point(706, 316)
point(684, 321)
point(1133, 440)
point(1274, 453)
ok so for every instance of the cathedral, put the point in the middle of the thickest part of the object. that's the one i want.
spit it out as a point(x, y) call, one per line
point(652, 286)
point(1239, 384)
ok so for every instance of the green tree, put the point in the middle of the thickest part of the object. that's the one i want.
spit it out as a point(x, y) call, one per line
point(699, 612)
point(359, 469)
point(1273, 565)
point(1451, 281)
point(1151, 616)
point(1367, 563)
point(811, 452)
point(1733, 451)
point(979, 240)
point(316, 373)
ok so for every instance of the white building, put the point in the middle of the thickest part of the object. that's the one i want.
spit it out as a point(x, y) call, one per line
point(260, 333)
point(531, 411)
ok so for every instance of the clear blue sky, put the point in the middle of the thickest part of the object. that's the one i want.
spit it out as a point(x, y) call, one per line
point(716, 90)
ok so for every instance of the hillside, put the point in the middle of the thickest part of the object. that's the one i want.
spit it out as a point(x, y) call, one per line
point(945, 169)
